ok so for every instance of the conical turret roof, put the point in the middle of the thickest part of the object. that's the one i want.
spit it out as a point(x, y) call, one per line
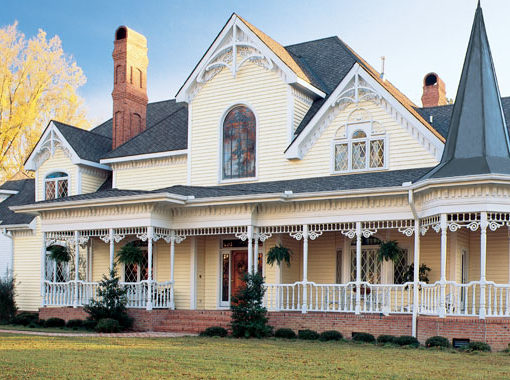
point(477, 141)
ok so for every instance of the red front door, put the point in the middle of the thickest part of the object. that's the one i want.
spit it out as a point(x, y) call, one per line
point(238, 270)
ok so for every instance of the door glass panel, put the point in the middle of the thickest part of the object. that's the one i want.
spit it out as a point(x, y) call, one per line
point(225, 278)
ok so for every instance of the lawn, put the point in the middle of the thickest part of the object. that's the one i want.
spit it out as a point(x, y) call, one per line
point(31, 357)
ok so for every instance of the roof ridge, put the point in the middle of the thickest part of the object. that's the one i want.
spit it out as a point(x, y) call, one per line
point(81, 129)
point(310, 41)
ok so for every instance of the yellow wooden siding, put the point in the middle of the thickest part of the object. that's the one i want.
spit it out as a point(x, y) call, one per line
point(200, 281)
point(292, 273)
point(100, 259)
point(430, 254)
point(211, 279)
point(265, 93)
point(58, 162)
point(497, 256)
point(301, 106)
point(91, 180)
point(322, 259)
point(151, 174)
point(27, 268)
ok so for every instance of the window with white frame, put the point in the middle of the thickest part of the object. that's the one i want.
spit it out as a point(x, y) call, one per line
point(359, 145)
point(56, 185)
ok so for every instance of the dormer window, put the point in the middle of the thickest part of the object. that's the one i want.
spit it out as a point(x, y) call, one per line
point(56, 185)
point(239, 142)
point(359, 146)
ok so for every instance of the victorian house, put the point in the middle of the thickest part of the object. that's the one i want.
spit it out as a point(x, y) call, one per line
point(304, 146)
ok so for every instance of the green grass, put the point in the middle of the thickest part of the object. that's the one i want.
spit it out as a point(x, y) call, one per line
point(45, 329)
point(30, 357)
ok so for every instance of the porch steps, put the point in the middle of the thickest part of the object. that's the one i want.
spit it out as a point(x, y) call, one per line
point(192, 321)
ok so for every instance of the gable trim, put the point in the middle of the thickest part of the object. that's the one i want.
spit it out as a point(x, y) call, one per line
point(267, 56)
point(50, 140)
point(306, 139)
point(146, 156)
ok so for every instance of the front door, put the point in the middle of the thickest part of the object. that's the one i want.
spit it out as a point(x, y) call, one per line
point(238, 269)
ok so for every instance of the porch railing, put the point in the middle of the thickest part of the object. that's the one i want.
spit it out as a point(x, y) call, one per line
point(64, 293)
point(459, 299)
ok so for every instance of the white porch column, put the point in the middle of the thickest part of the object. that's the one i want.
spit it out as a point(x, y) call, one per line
point(150, 236)
point(43, 270)
point(483, 261)
point(250, 249)
point(76, 266)
point(256, 251)
point(304, 305)
point(358, 268)
point(442, 300)
point(172, 265)
point(193, 276)
point(112, 248)
point(416, 274)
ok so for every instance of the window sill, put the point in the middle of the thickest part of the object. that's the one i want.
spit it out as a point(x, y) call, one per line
point(237, 180)
point(359, 171)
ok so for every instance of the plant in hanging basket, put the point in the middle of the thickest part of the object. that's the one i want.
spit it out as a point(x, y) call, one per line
point(130, 254)
point(278, 254)
point(59, 254)
point(423, 273)
point(389, 250)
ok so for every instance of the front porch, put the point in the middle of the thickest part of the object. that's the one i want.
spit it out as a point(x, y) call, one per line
point(334, 267)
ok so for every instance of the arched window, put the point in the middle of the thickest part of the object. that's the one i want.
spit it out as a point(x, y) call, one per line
point(56, 185)
point(362, 149)
point(239, 143)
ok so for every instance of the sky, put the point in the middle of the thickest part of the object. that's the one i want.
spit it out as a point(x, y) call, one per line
point(415, 36)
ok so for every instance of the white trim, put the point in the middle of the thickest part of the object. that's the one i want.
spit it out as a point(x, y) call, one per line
point(48, 135)
point(290, 114)
point(426, 138)
point(221, 180)
point(183, 95)
point(146, 156)
point(9, 192)
point(193, 274)
point(78, 181)
point(188, 158)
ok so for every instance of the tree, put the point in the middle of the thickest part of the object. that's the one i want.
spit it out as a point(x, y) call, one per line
point(111, 302)
point(38, 83)
point(248, 313)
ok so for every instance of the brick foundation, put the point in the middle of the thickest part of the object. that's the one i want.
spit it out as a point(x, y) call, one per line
point(494, 331)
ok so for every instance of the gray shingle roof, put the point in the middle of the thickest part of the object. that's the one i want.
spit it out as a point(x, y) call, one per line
point(87, 144)
point(167, 132)
point(26, 195)
point(326, 61)
point(306, 185)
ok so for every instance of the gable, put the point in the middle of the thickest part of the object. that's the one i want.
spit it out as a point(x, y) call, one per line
point(357, 86)
point(238, 43)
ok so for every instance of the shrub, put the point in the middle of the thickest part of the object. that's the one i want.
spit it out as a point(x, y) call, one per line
point(41, 322)
point(74, 323)
point(33, 325)
point(214, 331)
point(89, 324)
point(110, 303)
point(363, 337)
point(383, 339)
point(107, 325)
point(330, 335)
point(25, 318)
point(248, 313)
point(477, 346)
point(308, 335)
point(437, 341)
point(54, 322)
point(7, 303)
point(285, 333)
point(407, 340)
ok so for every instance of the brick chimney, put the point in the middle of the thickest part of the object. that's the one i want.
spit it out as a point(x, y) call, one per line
point(434, 92)
point(130, 85)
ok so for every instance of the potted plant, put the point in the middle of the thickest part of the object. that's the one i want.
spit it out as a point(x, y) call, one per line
point(423, 273)
point(130, 254)
point(278, 254)
point(389, 250)
point(59, 254)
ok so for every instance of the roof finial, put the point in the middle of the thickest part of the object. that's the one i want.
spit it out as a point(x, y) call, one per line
point(478, 4)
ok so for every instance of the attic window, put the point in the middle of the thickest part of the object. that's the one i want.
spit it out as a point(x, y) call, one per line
point(56, 185)
point(121, 33)
point(430, 80)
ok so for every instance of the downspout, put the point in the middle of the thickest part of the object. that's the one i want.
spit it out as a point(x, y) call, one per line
point(416, 262)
